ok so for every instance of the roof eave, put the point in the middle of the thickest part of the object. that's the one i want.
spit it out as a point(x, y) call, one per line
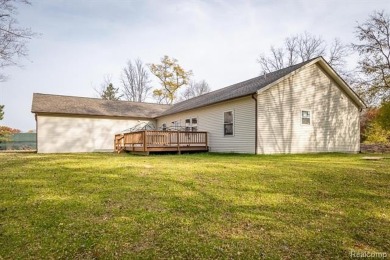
point(246, 95)
point(90, 115)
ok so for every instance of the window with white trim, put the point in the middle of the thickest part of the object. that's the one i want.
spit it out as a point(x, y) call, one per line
point(194, 124)
point(191, 124)
point(306, 117)
point(228, 123)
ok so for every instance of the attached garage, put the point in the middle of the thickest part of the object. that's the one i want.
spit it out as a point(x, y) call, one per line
point(68, 124)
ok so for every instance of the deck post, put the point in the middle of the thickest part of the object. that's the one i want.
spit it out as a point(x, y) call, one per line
point(178, 142)
point(144, 141)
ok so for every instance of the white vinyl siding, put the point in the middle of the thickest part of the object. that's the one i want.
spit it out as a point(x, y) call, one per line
point(63, 134)
point(211, 120)
point(334, 118)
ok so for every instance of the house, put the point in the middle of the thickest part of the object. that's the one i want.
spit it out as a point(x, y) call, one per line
point(304, 108)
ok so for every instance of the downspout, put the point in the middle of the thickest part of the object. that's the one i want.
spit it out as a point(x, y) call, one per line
point(254, 97)
point(36, 131)
point(360, 141)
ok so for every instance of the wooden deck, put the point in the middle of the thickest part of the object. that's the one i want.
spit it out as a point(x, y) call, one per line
point(161, 141)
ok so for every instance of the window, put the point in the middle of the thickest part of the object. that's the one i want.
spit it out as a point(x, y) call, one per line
point(194, 123)
point(164, 127)
point(228, 123)
point(188, 125)
point(305, 117)
point(191, 124)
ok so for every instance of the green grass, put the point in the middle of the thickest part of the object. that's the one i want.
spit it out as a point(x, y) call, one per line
point(85, 206)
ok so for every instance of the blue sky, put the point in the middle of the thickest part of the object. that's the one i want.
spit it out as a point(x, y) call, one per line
point(82, 41)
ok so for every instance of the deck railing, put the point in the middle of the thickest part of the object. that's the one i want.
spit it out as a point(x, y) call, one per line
point(146, 141)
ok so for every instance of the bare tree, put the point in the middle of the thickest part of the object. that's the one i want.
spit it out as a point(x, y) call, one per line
point(290, 46)
point(135, 81)
point(276, 60)
point(309, 46)
point(300, 48)
point(13, 38)
point(337, 54)
point(194, 89)
point(374, 64)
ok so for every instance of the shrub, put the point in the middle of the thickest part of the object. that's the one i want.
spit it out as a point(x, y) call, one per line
point(376, 134)
point(6, 132)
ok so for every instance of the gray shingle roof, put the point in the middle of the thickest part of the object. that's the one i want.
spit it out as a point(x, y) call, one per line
point(45, 103)
point(241, 89)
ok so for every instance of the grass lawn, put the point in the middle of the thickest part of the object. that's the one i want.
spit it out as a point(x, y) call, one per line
point(88, 206)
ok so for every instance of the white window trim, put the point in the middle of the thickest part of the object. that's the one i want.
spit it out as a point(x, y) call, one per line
point(234, 123)
point(197, 123)
point(190, 126)
point(311, 117)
